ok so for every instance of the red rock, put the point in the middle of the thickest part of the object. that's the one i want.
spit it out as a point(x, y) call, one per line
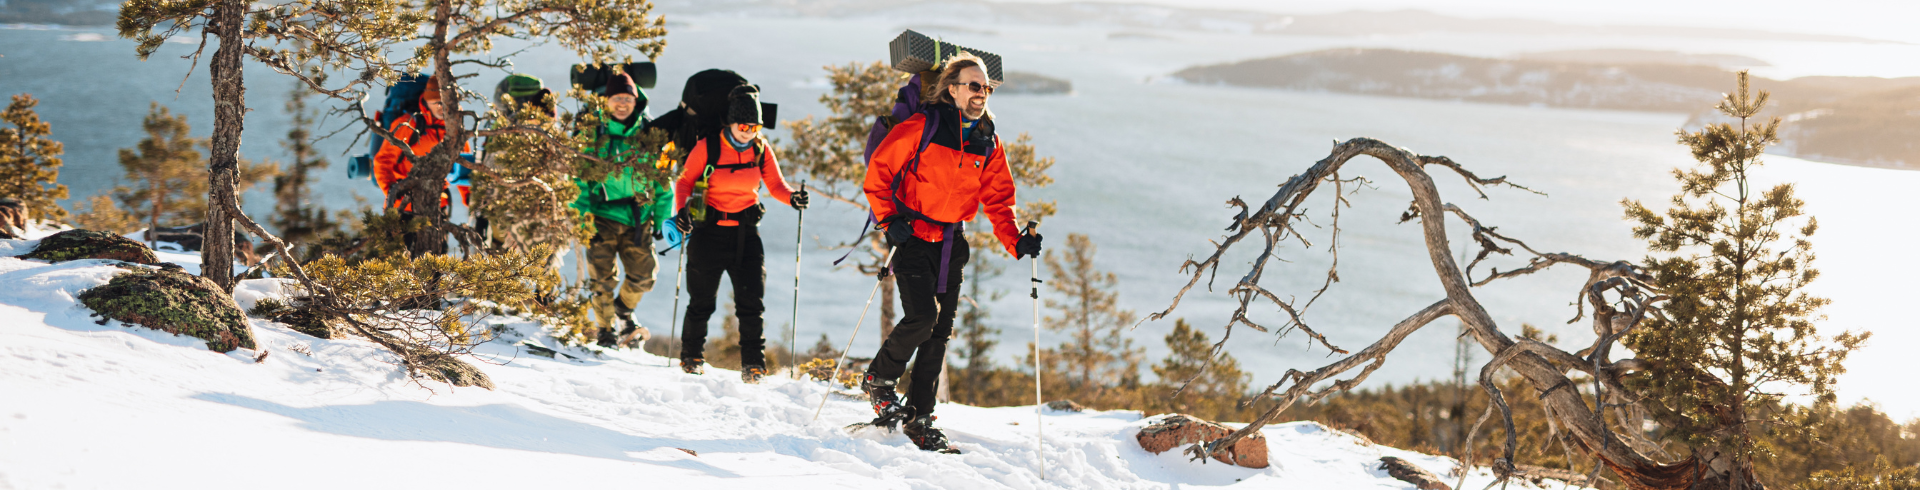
point(1178, 430)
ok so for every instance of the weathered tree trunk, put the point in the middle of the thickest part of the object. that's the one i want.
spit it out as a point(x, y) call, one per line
point(229, 112)
point(422, 186)
point(888, 298)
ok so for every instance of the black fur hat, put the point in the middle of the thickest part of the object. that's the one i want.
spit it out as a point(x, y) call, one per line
point(743, 105)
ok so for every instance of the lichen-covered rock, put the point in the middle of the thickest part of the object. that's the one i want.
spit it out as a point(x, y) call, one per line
point(453, 371)
point(173, 301)
point(1179, 430)
point(1404, 471)
point(89, 244)
point(1065, 406)
point(298, 316)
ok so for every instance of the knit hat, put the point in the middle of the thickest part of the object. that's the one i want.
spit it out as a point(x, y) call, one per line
point(432, 92)
point(743, 105)
point(620, 83)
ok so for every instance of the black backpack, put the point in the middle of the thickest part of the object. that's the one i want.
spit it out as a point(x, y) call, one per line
point(703, 108)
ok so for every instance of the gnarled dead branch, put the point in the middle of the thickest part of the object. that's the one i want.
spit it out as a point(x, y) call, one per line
point(1618, 292)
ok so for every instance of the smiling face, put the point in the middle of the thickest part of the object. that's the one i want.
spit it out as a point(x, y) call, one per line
point(621, 105)
point(971, 102)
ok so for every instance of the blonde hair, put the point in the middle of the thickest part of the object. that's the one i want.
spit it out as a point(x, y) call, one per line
point(947, 76)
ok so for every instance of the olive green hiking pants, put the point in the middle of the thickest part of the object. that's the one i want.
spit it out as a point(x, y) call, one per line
point(634, 251)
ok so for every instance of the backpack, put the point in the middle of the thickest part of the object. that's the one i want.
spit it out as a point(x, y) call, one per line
point(703, 108)
point(403, 100)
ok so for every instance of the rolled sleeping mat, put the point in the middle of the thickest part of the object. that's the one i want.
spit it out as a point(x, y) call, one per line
point(913, 52)
point(593, 76)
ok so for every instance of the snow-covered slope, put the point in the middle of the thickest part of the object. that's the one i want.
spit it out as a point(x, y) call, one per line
point(85, 405)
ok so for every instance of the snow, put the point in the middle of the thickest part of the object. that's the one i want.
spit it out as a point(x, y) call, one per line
point(90, 405)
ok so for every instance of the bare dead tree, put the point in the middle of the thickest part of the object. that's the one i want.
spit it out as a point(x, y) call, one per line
point(1619, 293)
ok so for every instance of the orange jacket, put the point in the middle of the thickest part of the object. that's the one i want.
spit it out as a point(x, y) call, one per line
point(954, 179)
point(390, 164)
point(731, 190)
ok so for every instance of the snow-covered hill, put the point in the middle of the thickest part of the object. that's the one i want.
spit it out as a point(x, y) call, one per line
point(86, 405)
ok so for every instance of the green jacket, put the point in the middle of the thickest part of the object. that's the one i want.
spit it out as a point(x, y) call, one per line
point(615, 197)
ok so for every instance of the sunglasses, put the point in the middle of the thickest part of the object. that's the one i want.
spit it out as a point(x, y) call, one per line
point(746, 128)
point(977, 87)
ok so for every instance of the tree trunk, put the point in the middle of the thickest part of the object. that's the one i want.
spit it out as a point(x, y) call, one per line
point(887, 301)
point(422, 185)
point(229, 112)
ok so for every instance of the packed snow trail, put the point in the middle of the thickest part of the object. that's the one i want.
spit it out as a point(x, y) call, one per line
point(87, 405)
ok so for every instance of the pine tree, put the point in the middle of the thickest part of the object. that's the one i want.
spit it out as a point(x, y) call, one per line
point(977, 337)
point(1207, 389)
point(1738, 329)
point(299, 221)
point(30, 162)
point(166, 170)
point(100, 213)
point(1098, 352)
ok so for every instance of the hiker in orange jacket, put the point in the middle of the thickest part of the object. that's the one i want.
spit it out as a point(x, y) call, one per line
point(424, 129)
point(923, 196)
point(726, 240)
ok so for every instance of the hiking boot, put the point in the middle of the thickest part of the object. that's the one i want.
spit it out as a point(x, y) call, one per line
point(633, 335)
point(920, 430)
point(693, 365)
point(752, 374)
point(886, 404)
point(607, 338)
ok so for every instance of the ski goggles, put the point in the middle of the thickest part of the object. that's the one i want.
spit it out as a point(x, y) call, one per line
point(746, 128)
point(977, 87)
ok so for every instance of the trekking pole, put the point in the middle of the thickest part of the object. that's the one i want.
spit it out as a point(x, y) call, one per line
point(673, 317)
point(793, 325)
point(1039, 407)
point(884, 264)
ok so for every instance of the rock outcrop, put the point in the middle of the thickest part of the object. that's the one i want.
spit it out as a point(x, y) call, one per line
point(170, 300)
point(13, 219)
point(1178, 430)
point(89, 244)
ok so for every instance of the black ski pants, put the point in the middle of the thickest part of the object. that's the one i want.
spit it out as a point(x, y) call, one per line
point(735, 251)
point(926, 320)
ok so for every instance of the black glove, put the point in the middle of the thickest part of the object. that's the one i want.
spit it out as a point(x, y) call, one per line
point(683, 221)
point(799, 199)
point(1028, 246)
point(899, 231)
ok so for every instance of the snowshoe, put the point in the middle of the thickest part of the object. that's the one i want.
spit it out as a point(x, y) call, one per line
point(886, 404)
point(752, 374)
point(921, 431)
point(693, 365)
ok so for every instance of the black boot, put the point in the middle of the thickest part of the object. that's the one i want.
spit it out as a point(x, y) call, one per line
point(606, 338)
point(921, 431)
point(752, 374)
point(693, 365)
point(886, 404)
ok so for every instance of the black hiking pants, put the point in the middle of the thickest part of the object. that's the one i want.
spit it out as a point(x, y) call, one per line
point(926, 320)
point(735, 251)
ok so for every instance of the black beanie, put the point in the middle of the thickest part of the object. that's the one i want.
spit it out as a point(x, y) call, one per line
point(743, 105)
point(620, 83)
